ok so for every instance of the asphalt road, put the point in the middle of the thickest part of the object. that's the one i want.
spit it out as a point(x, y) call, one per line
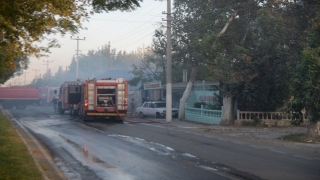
point(109, 150)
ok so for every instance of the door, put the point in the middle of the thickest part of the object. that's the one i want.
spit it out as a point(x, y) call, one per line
point(145, 108)
point(152, 110)
point(74, 92)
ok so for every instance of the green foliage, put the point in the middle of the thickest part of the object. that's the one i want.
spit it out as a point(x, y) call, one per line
point(305, 83)
point(8, 70)
point(255, 122)
point(113, 5)
point(25, 24)
point(217, 103)
point(153, 64)
point(302, 138)
point(198, 104)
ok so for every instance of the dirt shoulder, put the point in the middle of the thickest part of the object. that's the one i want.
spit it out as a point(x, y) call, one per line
point(41, 156)
point(265, 135)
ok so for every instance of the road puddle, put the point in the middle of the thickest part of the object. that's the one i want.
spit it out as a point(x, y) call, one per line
point(88, 157)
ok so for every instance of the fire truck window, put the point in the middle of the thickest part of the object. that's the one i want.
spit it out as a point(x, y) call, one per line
point(146, 105)
point(151, 106)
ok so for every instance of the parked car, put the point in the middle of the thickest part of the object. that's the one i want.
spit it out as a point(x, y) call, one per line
point(156, 109)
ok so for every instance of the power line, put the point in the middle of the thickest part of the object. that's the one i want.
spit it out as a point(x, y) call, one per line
point(130, 44)
point(125, 24)
point(122, 14)
point(47, 63)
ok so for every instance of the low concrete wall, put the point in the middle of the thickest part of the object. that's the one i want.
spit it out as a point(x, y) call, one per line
point(270, 122)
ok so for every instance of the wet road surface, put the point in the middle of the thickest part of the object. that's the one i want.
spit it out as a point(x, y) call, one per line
point(110, 150)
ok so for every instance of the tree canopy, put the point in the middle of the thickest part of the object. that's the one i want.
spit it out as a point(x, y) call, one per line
point(305, 83)
point(23, 24)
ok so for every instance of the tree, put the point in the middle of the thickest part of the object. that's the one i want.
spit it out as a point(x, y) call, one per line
point(305, 84)
point(25, 23)
point(7, 70)
point(255, 52)
point(199, 28)
point(153, 63)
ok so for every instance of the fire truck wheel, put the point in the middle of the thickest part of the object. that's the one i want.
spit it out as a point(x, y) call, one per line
point(74, 112)
point(118, 119)
point(20, 105)
point(141, 115)
point(7, 105)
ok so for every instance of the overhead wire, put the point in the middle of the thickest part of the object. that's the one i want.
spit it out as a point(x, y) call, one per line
point(114, 25)
point(127, 24)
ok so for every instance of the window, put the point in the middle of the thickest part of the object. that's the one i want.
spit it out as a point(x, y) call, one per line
point(157, 105)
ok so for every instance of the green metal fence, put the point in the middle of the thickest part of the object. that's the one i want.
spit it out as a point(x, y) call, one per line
point(203, 115)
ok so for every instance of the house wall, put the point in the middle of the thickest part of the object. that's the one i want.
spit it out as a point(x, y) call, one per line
point(201, 96)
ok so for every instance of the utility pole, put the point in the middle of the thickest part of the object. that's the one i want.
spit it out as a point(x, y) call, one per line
point(36, 76)
point(47, 61)
point(84, 38)
point(169, 78)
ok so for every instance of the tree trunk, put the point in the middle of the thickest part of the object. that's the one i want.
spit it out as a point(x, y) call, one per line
point(228, 110)
point(186, 93)
point(313, 128)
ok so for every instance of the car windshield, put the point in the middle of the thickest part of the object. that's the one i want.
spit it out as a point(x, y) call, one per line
point(157, 105)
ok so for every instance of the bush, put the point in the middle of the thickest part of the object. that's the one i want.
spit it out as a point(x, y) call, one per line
point(198, 104)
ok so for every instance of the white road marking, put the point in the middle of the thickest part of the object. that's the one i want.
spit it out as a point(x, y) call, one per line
point(278, 151)
point(258, 147)
point(222, 139)
point(188, 127)
point(153, 125)
point(302, 157)
point(268, 147)
point(128, 124)
point(238, 142)
point(316, 158)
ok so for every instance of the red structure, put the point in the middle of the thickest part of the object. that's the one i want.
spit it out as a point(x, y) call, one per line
point(18, 97)
point(46, 94)
point(94, 98)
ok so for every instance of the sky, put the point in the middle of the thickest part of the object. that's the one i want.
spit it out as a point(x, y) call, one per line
point(124, 30)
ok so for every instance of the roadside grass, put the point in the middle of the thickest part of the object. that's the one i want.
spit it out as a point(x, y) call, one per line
point(15, 160)
point(303, 138)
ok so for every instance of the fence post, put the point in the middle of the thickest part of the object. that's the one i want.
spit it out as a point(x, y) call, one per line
point(238, 114)
point(221, 111)
point(201, 109)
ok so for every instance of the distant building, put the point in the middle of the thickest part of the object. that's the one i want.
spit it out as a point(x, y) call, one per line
point(202, 91)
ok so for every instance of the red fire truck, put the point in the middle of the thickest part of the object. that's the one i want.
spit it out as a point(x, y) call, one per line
point(95, 98)
point(19, 97)
point(47, 94)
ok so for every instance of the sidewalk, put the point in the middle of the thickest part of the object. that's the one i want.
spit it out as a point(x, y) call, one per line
point(264, 135)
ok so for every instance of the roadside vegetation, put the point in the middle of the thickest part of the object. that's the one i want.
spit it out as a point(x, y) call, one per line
point(15, 160)
point(303, 138)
